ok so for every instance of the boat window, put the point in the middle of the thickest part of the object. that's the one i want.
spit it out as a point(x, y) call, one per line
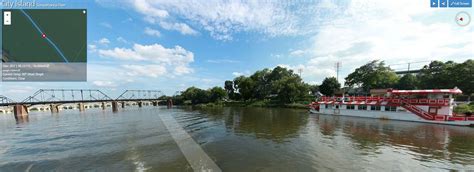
point(374, 107)
point(350, 107)
point(337, 106)
point(362, 107)
point(390, 108)
point(326, 106)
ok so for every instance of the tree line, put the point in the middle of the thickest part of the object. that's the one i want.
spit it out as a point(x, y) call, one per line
point(285, 86)
point(435, 75)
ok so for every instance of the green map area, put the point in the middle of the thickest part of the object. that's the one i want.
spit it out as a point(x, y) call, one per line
point(45, 35)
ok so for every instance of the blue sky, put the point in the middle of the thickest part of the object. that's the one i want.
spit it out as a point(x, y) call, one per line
point(171, 45)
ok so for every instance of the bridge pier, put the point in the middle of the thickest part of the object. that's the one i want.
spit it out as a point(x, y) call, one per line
point(20, 111)
point(114, 106)
point(123, 105)
point(155, 103)
point(103, 106)
point(54, 108)
point(140, 104)
point(170, 103)
point(82, 108)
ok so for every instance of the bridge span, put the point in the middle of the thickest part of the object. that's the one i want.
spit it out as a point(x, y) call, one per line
point(52, 99)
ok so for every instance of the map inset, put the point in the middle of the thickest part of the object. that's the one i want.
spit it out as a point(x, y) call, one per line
point(44, 35)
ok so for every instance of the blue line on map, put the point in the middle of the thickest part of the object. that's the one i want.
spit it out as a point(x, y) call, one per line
point(41, 33)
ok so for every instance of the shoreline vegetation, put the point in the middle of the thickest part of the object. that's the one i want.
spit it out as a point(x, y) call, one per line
point(258, 103)
point(282, 87)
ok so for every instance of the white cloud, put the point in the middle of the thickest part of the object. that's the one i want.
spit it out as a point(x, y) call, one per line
point(20, 90)
point(153, 71)
point(312, 72)
point(121, 53)
point(122, 40)
point(180, 27)
point(99, 75)
point(297, 53)
point(154, 53)
point(104, 41)
point(182, 69)
point(152, 32)
point(223, 18)
point(237, 73)
point(107, 84)
point(393, 31)
point(146, 8)
point(276, 55)
point(92, 48)
point(107, 25)
point(246, 73)
point(218, 61)
point(163, 60)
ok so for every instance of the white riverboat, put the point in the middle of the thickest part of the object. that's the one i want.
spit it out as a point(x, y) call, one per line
point(430, 106)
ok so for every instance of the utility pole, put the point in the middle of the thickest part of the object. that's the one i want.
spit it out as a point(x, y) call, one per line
point(299, 71)
point(338, 66)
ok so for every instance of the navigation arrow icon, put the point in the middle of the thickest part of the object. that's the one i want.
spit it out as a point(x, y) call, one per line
point(434, 3)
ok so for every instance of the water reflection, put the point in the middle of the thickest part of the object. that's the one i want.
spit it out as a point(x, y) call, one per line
point(22, 119)
point(276, 124)
point(425, 141)
point(337, 142)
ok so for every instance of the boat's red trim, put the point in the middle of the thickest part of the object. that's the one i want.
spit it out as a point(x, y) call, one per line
point(432, 91)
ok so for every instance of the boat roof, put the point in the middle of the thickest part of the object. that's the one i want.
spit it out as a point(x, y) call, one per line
point(431, 91)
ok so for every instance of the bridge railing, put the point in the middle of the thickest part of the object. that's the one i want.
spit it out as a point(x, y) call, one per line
point(140, 95)
point(5, 100)
point(67, 95)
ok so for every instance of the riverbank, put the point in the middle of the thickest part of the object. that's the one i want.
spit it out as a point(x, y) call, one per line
point(257, 103)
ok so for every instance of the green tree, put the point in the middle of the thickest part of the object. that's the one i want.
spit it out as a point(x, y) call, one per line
point(408, 82)
point(464, 75)
point(329, 86)
point(372, 75)
point(217, 94)
point(280, 81)
point(196, 95)
point(279, 72)
point(313, 89)
point(448, 75)
point(178, 99)
point(229, 86)
point(261, 80)
point(244, 85)
point(290, 88)
point(437, 75)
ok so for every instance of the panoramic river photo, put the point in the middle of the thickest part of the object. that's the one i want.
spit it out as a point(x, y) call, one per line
point(235, 138)
point(236, 85)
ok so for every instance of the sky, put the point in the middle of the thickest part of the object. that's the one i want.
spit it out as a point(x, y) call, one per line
point(170, 45)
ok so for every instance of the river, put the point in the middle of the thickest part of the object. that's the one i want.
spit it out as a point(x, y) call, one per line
point(236, 139)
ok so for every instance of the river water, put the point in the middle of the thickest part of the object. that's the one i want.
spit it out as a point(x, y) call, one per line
point(236, 139)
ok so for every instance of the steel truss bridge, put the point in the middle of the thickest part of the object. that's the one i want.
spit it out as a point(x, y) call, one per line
point(56, 97)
